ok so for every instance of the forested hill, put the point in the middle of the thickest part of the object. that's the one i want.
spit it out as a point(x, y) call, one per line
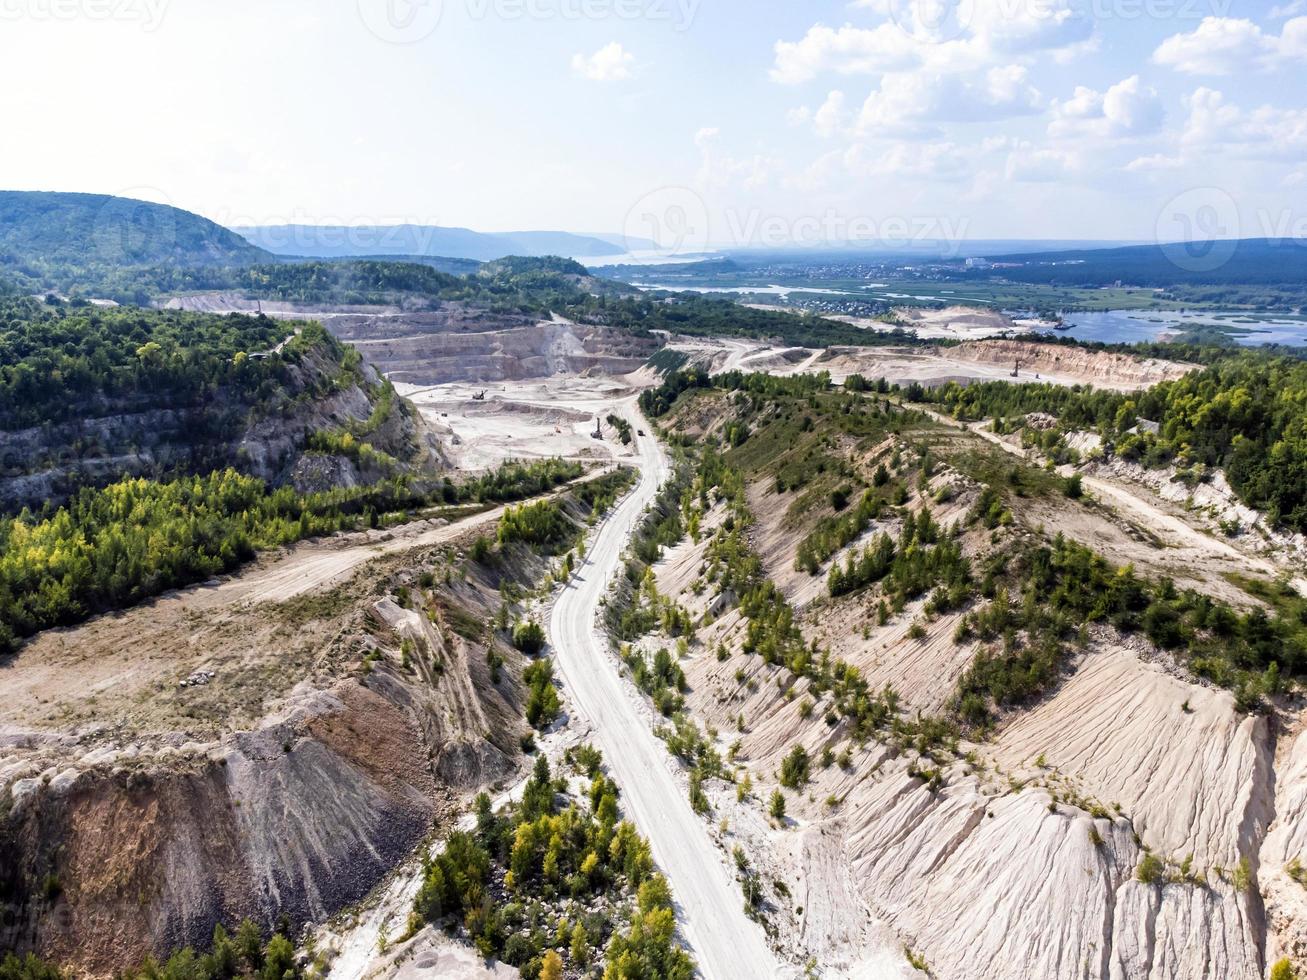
point(88, 396)
point(1254, 261)
point(40, 228)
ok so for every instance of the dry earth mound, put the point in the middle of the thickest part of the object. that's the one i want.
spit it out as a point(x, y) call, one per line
point(252, 757)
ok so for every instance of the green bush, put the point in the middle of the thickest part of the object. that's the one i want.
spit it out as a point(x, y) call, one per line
point(529, 637)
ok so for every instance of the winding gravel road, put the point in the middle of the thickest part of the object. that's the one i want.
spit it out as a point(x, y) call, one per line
point(726, 943)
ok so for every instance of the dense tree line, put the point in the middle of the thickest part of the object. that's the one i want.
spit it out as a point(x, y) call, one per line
point(56, 365)
point(496, 882)
point(657, 402)
point(114, 546)
point(1250, 261)
point(244, 955)
point(1246, 413)
point(515, 480)
point(542, 525)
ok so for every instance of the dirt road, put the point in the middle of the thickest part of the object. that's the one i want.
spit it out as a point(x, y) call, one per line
point(1223, 555)
point(711, 907)
point(317, 564)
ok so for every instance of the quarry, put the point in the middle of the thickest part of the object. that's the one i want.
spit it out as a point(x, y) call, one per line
point(298, 734)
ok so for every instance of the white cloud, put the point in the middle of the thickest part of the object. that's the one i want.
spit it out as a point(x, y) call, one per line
point(1227, 46)
point(941, 35)
point(1031, 26)
point(832, 117)
point(918, 102)
point(611, 63)
point(721, 170)
point(1154, 163)
point(1263, 133)
point(913, 161)
point(1127, 109)
point(847, 50)
point(1291, 9)
point(1028, 163)
point(705, 136)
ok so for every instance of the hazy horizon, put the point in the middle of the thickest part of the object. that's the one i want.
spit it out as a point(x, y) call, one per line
point(692, 120)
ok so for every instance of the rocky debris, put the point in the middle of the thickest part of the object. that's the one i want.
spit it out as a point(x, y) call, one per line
point(156, 838)
point(199, 678)
point(1041, 421)
point(456, 343)
point(1100, 367)
point(265, 439)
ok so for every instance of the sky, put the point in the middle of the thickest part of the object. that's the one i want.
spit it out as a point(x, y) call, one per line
point(713, 122)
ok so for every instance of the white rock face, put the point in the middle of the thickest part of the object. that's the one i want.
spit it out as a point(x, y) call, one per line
point(1286, 899)
point(1192, 780)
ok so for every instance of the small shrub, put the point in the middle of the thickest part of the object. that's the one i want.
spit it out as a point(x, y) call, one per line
point(529, 637)
point(1151, 869)
point(776, 807)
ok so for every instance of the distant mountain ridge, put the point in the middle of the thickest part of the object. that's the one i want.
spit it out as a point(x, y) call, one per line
point(341, 241)
point(46, 227)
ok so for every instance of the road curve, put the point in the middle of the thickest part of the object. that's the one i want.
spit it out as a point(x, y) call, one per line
point(726, 943)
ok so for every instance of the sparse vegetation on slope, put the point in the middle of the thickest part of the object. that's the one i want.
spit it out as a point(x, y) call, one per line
point(1243, 413)
point(111, 547)
point(550, 872)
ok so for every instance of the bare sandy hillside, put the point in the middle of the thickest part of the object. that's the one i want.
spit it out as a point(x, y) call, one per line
point(1132, 821)
point(482, 425)
point(271, 744)
point(1102, 368)
point(975, 360)
point(457, 344)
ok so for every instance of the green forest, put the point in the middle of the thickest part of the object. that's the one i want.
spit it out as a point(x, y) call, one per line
point(57, 363)
point(1246, 412)
point(497, 881)
point(114, 546)
point(243, 955)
